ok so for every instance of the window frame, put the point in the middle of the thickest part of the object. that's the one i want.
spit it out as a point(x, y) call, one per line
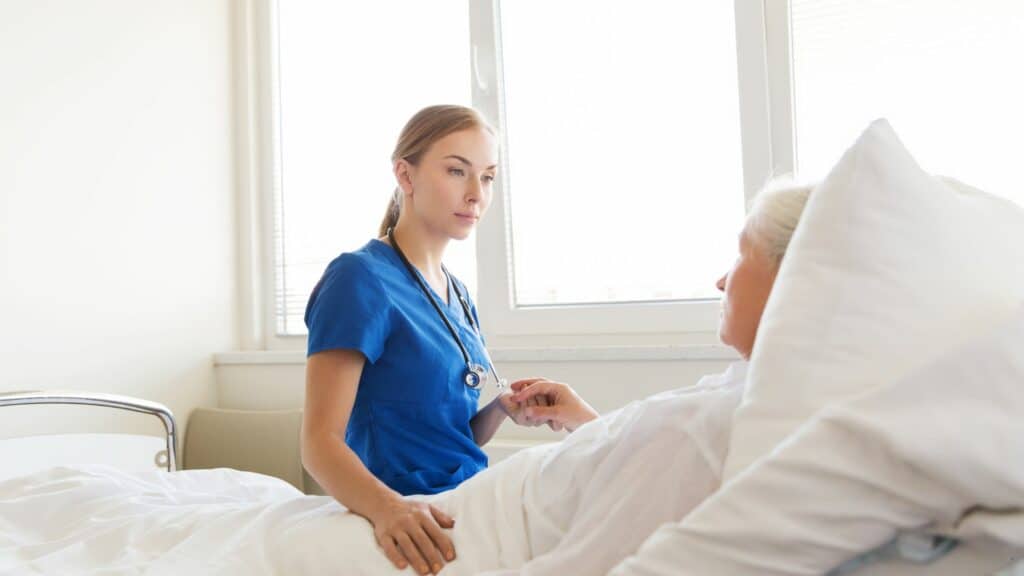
point(767, 147)
point(762, 31)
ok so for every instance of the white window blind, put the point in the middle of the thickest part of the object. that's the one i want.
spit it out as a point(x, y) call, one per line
point(946, 73)
point(625, 166)
point(349, 75)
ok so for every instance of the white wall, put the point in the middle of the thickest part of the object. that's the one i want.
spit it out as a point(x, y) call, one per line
point(117, 231)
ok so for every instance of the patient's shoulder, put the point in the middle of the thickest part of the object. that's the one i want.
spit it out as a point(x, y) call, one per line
point(731, 381)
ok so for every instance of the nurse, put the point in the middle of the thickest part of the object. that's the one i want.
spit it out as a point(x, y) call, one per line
point(395, 356)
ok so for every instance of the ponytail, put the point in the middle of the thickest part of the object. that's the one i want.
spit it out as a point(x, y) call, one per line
point(391, 216)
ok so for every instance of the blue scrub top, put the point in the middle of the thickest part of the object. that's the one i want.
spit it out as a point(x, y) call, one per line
point(410, 421)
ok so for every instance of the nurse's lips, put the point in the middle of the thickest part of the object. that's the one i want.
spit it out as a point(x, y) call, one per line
point(467, 216)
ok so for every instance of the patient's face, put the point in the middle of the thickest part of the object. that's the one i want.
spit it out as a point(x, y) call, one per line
point(745, 289)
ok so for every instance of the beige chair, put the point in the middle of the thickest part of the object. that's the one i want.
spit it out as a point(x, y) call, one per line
point(264, 441)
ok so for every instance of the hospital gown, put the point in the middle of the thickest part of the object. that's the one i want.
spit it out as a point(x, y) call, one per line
point(610, 484)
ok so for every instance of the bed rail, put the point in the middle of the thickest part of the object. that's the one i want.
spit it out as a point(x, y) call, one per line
point(106, 400)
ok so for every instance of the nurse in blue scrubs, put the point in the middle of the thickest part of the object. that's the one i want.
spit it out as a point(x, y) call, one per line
point(396, 360)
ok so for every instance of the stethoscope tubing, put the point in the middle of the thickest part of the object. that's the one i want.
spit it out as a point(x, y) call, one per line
point(475, 374)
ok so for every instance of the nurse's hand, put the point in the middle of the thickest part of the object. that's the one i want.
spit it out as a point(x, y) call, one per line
point(410, 533)
point(564, 408)
point(517, 410)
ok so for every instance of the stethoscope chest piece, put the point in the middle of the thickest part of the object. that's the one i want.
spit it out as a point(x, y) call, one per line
point(476, 375)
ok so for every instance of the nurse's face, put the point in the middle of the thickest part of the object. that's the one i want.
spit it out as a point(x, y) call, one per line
point(451, 187)
point(745, 289)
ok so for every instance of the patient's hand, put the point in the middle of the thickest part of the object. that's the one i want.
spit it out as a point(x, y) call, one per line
point(562, 407)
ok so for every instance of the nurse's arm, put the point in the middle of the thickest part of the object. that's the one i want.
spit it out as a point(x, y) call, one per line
point(332, 378)
point(407, 530)
point(487, 421)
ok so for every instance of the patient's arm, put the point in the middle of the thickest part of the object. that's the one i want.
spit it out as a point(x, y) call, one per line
point(603, 490)
point(616, 520)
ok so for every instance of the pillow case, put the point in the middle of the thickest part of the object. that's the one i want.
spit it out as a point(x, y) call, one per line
point(889, 268)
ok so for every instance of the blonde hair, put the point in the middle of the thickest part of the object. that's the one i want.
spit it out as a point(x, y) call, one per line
point(775, 213)
point(421, 131)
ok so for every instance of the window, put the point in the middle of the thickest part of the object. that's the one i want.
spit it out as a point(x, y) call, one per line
point(344, 80)
point(349, 76)
point(625, 169)
point(945, 73)
point(632, 135)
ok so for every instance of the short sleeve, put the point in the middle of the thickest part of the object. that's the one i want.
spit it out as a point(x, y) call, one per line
point(348, 309)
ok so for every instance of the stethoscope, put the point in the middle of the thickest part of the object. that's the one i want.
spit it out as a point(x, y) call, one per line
point(476, 375)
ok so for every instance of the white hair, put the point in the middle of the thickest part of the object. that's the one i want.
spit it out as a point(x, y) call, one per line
point(774, 214)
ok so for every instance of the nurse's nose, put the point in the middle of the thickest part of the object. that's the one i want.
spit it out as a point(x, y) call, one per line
point(474, 191)
point(721, 283)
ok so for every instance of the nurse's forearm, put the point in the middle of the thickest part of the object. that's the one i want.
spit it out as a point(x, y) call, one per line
point(486, 422)
point(341, 473)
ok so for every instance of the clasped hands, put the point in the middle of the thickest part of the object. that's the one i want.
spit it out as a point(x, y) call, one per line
point(538, 401)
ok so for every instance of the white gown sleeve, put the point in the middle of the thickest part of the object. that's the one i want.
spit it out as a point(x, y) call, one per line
point(614, 522)
point(615, 480)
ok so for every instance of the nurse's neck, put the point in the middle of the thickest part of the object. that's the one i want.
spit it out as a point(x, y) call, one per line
point(425, 251)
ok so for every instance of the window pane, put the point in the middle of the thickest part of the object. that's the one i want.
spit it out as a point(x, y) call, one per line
point(947, 74)
point(624, 148)
point(350, 76)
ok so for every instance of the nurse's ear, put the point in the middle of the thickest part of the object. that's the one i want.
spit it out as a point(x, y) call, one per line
point(403, 175)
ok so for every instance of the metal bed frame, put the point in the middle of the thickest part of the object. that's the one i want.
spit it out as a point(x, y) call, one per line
point(105, 400)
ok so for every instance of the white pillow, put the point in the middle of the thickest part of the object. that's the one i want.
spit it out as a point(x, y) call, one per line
point(937, 450)
point(889, 268)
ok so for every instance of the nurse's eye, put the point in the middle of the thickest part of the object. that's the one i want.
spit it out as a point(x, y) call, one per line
point(456, 171)
point(488, 178)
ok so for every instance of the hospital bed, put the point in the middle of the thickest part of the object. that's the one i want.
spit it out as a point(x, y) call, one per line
point(272, 496)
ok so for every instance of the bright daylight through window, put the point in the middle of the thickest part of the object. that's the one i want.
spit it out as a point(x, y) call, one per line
point(623, 166)
point(624, 148)
point(346, 88)
point(947, 75)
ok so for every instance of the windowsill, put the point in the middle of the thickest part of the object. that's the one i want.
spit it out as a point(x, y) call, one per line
point(645, 353)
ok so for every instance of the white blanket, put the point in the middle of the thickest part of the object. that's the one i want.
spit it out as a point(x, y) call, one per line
point(578, 506)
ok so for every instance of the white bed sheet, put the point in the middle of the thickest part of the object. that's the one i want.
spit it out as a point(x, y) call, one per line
point(578, 506)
